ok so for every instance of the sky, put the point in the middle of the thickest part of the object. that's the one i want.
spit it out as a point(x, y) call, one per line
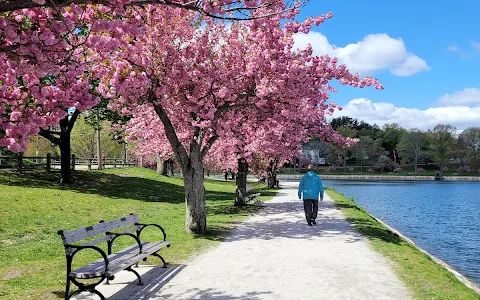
point(425, 52)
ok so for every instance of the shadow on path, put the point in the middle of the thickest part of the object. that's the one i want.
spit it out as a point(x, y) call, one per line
point(286, 220)
point(153, 281)
point(206, 294)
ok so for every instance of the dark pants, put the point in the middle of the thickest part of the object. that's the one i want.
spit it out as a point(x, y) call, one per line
point(311, 209)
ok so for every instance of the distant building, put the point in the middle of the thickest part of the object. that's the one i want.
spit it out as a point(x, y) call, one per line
point(314, 151)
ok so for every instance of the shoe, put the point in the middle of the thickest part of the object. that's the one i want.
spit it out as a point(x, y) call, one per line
point(310, 224)
point(313, 222)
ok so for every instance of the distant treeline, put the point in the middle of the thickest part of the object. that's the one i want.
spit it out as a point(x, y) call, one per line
point(388, 147)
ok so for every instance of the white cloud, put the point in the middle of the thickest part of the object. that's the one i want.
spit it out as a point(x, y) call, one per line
point(475, 45)
point(381, 113)
point(375, 53)
point(468, 96)
point(412, 64)
point(453, 48)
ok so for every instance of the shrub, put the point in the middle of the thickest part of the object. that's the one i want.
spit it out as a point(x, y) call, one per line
point(331, 169)
point(397, 169)
point(383, 159)
point(388, 166)
point(370, 170)
point(464, 169)
point(420, 170)
point(351, 169)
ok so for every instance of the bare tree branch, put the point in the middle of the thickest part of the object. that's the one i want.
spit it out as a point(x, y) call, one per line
point(73, 118)
point(209, 145)
point(11, 5)
point(49, 136)
point(171, 134)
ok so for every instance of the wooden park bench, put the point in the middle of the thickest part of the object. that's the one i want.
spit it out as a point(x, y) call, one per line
point(89, 238)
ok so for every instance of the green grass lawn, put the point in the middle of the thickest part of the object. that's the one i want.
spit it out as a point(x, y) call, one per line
point(33, 207)
point(423, 276)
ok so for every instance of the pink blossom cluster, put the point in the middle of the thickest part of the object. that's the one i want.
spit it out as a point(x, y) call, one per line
point(464, 169)
point(50, 60)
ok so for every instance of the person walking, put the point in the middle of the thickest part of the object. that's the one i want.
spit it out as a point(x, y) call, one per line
point(310, 187)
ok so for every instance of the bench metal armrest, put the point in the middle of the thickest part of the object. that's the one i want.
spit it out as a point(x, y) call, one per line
point(143, 226)
point(76, 249)
point(116, 235)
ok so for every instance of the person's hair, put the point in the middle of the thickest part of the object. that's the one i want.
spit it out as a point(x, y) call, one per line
point(310, 167)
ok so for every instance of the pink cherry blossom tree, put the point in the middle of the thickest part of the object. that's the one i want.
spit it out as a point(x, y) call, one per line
point(204, 81)
point(45, 48)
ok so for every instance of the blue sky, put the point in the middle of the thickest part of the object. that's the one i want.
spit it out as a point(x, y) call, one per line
point(426, 53)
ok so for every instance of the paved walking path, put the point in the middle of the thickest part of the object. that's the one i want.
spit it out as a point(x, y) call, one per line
point(275, 255)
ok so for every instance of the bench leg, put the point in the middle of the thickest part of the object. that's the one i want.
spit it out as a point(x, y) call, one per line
point(135, 272)
point(91, 291)
point(67, 296)
point(99, 294)
point(67, 289)
point(159, 256)
point(84, 288)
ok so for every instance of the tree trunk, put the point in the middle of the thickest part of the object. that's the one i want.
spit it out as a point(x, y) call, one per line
point(241, 192)
point(160, 164)
point(125, 152)
point(99, 147)
point(272, 174)
point(65, 152)
point(63, 141)
point(170, 165)
point(165, 164)
point(270, 179)
point(345, 161)
point(195, 217)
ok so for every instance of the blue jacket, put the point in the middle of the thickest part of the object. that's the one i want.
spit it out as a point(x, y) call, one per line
point(310, 186)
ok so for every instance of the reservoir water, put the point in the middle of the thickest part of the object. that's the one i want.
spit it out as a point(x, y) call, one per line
point(440, 217)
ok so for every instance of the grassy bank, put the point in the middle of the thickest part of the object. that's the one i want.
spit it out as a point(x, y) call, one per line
point(424, 277)
point(33, 207)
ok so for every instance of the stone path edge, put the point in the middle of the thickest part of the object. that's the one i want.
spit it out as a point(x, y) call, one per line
point(449, 268)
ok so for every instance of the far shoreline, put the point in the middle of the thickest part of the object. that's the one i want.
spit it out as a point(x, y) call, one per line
point(383, 177)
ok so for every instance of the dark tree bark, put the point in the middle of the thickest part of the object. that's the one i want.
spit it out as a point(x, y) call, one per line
point(165, 166)
point(241, 192)
point(192, 172)
point(196, 217)
point(63, 141)
point(11, 5)
point(272, 174)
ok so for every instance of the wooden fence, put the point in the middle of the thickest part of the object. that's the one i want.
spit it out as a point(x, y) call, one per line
point(21, 163)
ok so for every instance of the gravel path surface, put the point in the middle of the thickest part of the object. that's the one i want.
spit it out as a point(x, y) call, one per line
point(274, 255)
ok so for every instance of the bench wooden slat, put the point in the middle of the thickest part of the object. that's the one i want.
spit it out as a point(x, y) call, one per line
point(73, 236)
point(119, 261)
point(95, 241)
